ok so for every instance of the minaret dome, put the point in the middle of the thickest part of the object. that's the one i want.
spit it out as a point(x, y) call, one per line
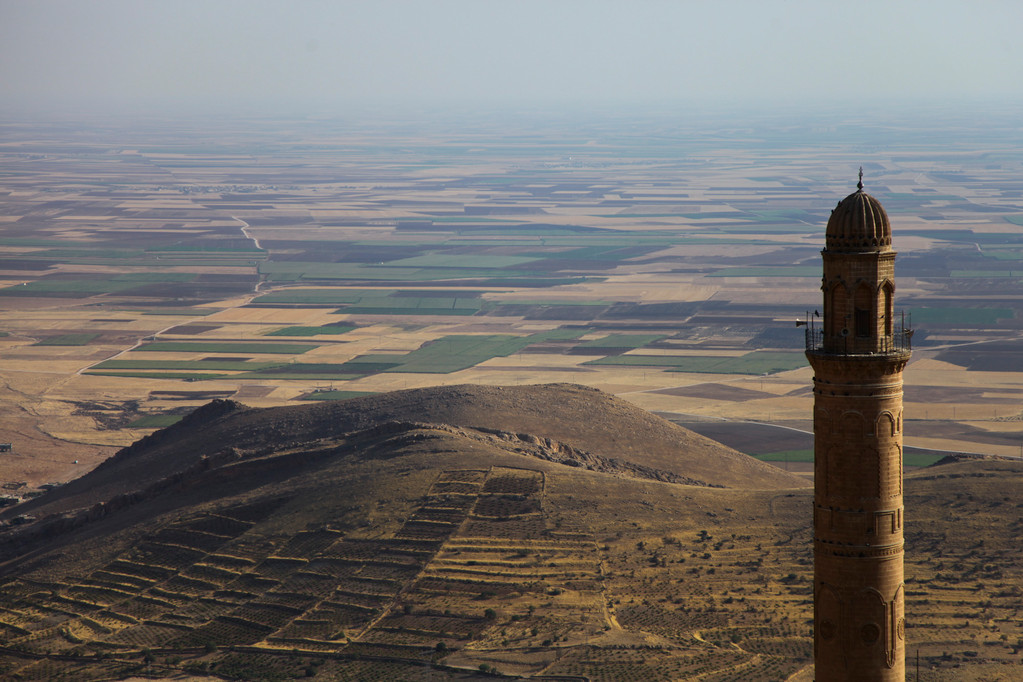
point(858, 223)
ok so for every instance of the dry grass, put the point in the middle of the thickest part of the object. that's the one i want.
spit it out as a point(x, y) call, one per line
point(528, 567)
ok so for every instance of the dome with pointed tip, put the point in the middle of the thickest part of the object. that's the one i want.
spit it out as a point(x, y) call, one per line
point(858, 223)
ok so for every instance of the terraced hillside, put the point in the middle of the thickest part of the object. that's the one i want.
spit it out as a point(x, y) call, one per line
point(436, 534)
point(592, 426)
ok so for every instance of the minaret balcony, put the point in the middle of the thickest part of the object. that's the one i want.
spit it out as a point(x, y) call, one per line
point(899, 342)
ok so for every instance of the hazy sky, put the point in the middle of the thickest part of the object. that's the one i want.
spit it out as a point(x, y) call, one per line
point(308, 55)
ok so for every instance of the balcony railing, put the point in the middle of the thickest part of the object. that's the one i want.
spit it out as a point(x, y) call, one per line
point(900, 341)
point(814, 339)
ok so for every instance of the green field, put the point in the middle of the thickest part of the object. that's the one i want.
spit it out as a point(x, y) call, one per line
point(961, 316)
point(297, 376)
point(623, 341)
point(336, 395)
point(183, 312)
point(468, 219)
point(372, 364)
point(1008, 254)
point(769, 271)
point(910, 460)
point(448, 260)
point(534, 282)
point(352, 368)
point(442, 356)
point(186, 376)
point(320, 296)
point(81, 339)
point(390, 302)
point(323, 330)
point(786, 214)
point(557, 335)
point(457, 352)
point(157, 277)
point(245, 264)
point(193, 248)
point(757, 362)
point(73, 255)
point(212, 365)
point(296, 270)
point(23, 241)
point(413, 305)
point(918, 198)
point(593, 252)
point(226, 347)
point(78, 288)
point(786, 456)
point(555, 303)
point(974, 274)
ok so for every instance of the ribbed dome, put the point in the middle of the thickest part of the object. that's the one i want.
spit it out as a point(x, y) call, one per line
point(858, 223)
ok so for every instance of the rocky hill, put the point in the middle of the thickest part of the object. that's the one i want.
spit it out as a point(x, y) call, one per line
point(552, 532)
point(588, 427)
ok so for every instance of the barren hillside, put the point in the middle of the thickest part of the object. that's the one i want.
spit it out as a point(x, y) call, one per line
point(551, 532)
point(586, 420)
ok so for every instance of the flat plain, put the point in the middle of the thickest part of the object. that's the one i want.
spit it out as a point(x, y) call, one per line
point(149, 267)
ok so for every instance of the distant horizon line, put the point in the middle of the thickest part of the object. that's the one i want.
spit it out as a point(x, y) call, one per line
point(64, 111)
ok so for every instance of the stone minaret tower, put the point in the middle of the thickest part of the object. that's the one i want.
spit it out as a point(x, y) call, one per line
point(858, 352)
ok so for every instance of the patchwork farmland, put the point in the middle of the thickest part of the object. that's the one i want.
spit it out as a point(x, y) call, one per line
point(139, 261)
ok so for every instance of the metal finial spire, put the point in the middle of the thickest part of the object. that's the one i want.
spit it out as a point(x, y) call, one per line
point(859, 185)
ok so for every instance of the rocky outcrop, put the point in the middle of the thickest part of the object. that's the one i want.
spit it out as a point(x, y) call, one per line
point(551, 450)
point(198, 418)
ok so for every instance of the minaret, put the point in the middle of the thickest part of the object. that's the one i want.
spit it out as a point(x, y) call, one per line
point(858, 352)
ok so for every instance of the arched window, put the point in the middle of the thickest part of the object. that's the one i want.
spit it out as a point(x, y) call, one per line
point(836, 310)
point(863, 312)
point(889, 313)
point(885, 425)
